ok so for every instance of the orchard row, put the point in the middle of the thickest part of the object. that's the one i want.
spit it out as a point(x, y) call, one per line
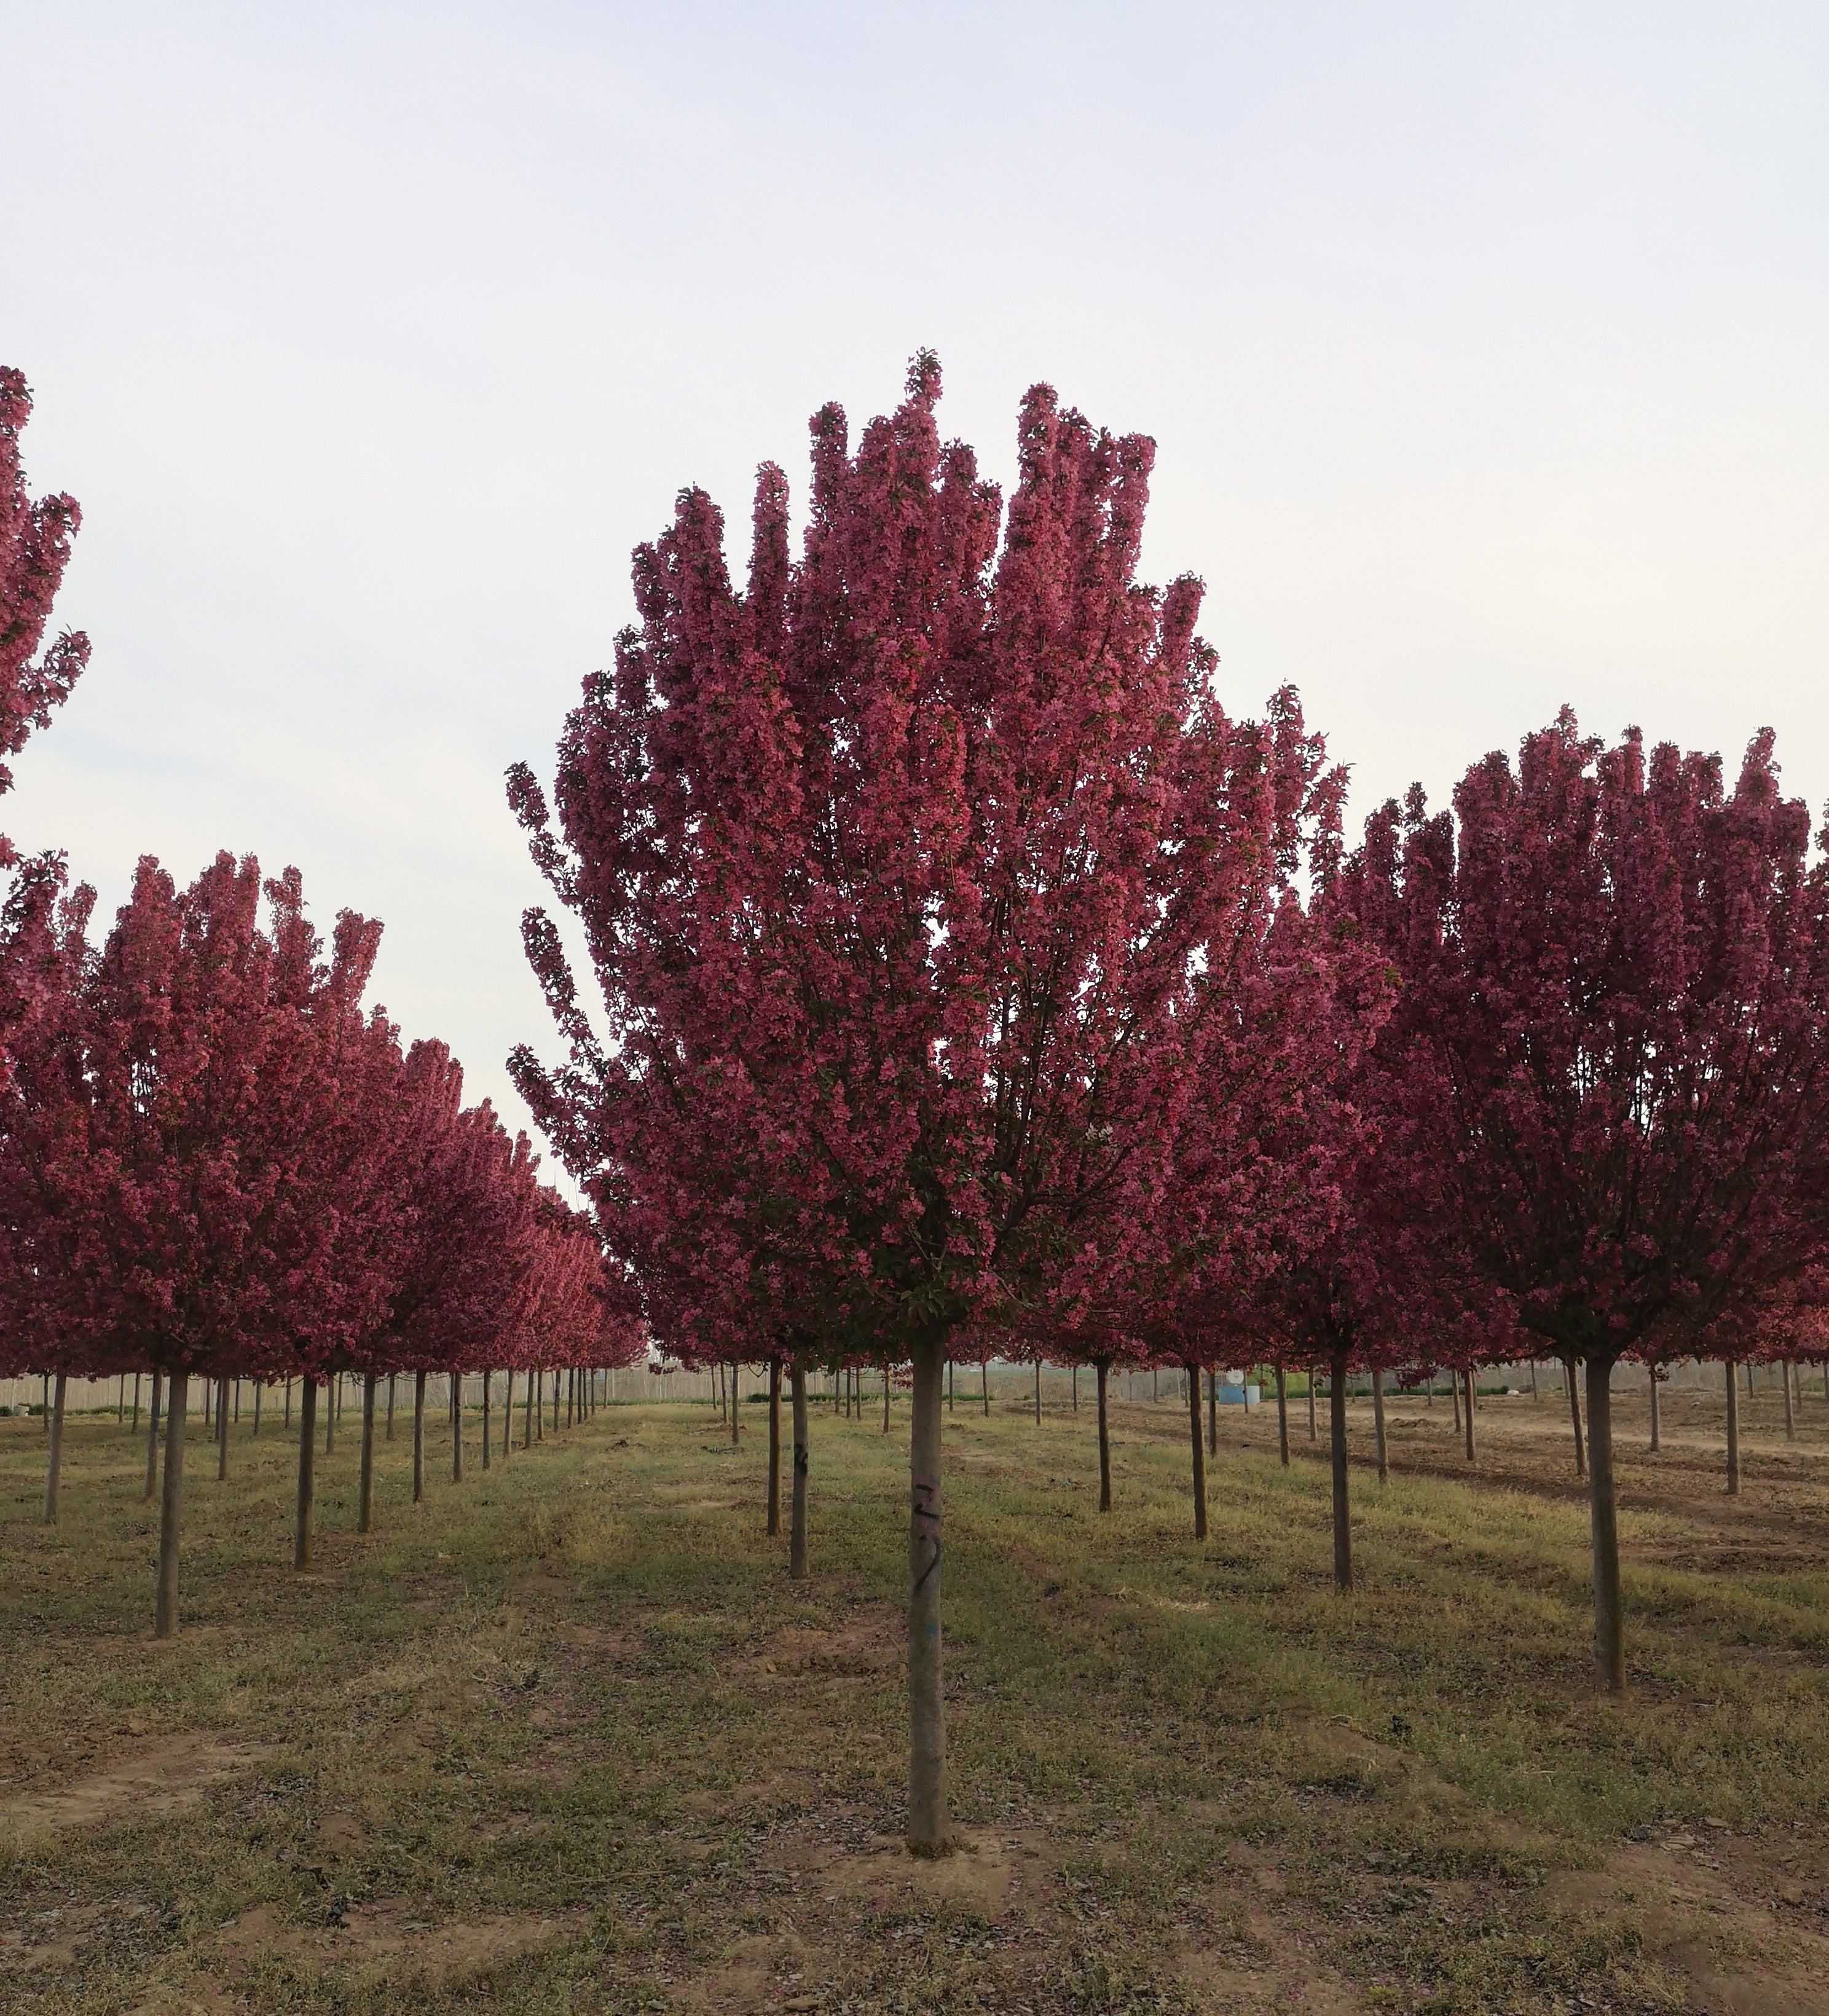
point(974, 983)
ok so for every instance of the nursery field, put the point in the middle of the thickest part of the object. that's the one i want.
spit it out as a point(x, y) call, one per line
point(564, 1736)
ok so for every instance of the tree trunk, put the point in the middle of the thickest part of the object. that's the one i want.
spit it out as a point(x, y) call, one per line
point(1102, 1366)
point(527, 1414)
point(1790, 1412)
point(885, 1396)
point(1337, 1439)
point(152, 1435)
point(222, 1430)
point(54, 1465)
point(1378, 1422)
point(308, 1423)
point(1038, 1392)
point(1468, 1375)
point(1313, 1378)
point(774, 1448)
point(1609, 1626)
point(390, 1378)
point(418, 1436)
point(1194, 1420)
point(1575, 1411)
point(364, 1517)
point(171, 1508)
point(984, 1371)
point(457, 1428)
point(1535, 1393)
point(539, 1403)
point(258, 1384)
point(949, 1385)
point(286, 1423)
point(797, 1538)
point(1655, 1444)
point(928, 1830)
point(136, 1403)
point(1283, 1416)
point(489, 1380)
point(1454, 1388)
point(508, 1414)
point(330, 1414)
point(1732, 1433)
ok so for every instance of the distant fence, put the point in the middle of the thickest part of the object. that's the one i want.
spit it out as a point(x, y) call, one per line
point(1010, 1385)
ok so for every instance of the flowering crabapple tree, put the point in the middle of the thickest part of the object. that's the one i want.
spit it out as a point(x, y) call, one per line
point(176, 1118)
point(1612, 1046)
point(35, 550)
point(902, 866)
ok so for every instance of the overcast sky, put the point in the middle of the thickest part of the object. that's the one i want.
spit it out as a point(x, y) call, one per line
point(1486, 347)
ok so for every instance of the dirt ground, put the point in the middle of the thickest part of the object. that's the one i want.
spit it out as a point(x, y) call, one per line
point(565, 1737)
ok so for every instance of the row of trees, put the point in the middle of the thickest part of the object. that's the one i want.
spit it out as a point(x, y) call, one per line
point(971, 980)
point(214, 1161)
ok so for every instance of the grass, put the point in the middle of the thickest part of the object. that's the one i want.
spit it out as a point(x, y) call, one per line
point(564, 1737)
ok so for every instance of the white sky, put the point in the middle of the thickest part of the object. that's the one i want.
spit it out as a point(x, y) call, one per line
point(1486, 346)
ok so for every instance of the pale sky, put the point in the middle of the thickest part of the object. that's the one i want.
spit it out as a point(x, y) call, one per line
point(1486, 347)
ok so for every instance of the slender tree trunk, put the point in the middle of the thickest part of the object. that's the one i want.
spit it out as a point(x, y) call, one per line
point(949, 1384)
point(1655, 1442)
point(1076, 1389)
point(152, 1434)
point(1336, 1439)
point(984, 1371)
point(1454, 1387)
point(797, 1539)
point(1378, 1422)
point(1609, 1625)
point(1535, 1393)
point(1790, 1412)
point(364, 1517)
point(238, 1403)
point(390, 1378)
point(1283, 1416)
point(307, 1446)
point(1468, 1375)
point(1313, 1380)
point(330, 1385)
point(418, 1436)
point(222, 1430)
point(526, 1412)
point(1038, 1392)
point(489, 1378)
point(929, 1832)
point(557, 1382)
point(457, 1428)
point(1732, 1433)
point(136, 1403)
point(885, 1396)
point(1194, 1420)
point(1103, 1367)
point(209, 1416)
point(286, 1422)
point(54, 1466)
point(258, 1384)
point(508, 1415)
point(774, 1448)
point(171, 1507)
point(1575, 1411)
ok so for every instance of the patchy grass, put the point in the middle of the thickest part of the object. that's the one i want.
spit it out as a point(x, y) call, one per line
point(565, 1737)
